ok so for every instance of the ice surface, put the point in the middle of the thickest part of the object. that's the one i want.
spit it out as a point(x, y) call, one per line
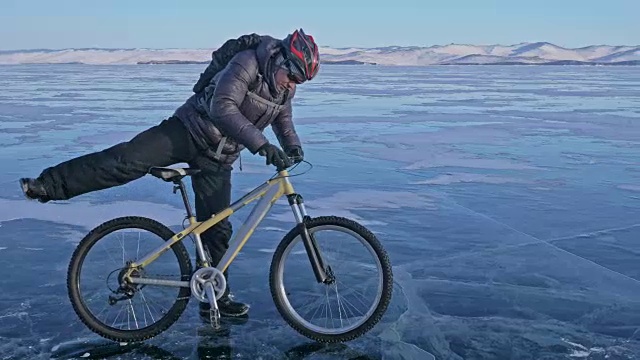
point(87, 215)
point(507, 198)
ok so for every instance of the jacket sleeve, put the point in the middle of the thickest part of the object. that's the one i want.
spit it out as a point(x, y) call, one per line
point(229, 93)
point(284, 128)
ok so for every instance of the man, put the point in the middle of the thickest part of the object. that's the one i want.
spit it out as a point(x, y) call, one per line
point(225, 115)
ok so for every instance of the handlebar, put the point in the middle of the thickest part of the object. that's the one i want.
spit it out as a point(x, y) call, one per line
point(292, 161)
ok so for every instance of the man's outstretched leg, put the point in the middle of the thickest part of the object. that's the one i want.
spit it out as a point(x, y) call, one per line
point(162, 145)
point(212, 188)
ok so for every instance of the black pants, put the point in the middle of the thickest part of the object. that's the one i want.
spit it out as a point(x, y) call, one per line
point(162, 145)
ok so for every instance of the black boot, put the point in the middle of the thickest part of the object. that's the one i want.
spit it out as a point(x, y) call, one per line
point(227, 307)
point(34, 190)
point(230, 308)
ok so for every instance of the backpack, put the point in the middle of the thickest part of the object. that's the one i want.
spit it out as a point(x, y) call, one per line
point(221, 57)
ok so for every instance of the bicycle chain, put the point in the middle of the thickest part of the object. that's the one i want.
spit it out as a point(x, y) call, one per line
point(159, 276)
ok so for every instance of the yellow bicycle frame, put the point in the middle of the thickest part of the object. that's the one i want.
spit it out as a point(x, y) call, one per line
point(266, 194)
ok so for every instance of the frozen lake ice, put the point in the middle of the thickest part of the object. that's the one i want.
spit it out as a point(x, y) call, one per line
point(508, 198)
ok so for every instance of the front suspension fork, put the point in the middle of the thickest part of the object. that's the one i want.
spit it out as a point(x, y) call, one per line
point(315, 258)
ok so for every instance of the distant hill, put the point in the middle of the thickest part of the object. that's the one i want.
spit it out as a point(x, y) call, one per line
point(538, 53)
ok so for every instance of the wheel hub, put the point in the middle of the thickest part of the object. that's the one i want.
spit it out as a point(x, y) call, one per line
point(331, 277)
point(124, 287)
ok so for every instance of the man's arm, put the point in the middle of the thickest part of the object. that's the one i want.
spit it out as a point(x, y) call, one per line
point(283, 126)
point(229, 93)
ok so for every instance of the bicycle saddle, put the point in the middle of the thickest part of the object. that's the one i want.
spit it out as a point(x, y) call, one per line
point(172, 174)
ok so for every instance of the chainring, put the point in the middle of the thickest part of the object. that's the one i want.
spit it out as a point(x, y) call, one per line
point(204, 275)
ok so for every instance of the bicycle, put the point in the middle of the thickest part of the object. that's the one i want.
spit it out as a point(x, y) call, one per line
point(207, 283)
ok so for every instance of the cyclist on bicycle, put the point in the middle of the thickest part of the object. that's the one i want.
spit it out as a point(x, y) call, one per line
point(253, 91)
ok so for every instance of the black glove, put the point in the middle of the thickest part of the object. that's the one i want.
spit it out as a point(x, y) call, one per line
point(275, 156)
point(295, 153)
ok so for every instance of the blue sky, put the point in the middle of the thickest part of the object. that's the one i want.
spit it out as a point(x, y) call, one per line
point(27, 24)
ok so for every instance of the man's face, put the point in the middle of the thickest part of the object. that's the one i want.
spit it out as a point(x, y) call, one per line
point(284, 81)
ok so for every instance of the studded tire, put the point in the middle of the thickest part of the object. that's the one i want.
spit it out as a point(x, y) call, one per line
point(77, 259)
point(275, 281)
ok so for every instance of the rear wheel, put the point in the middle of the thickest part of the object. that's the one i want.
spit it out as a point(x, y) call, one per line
point(132, 312)
point(354, 302)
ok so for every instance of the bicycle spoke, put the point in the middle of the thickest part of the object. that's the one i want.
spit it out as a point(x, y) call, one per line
point(350, 304)
point(109, 255)
point(329, 305)
point(146, 306)
point(150, 301)
point(122, 244)
point(133, 313)
point(138, 248)
point(339, 304)
point(355, 292)
point(343, 305)
point(146, 303)
point(116, 319)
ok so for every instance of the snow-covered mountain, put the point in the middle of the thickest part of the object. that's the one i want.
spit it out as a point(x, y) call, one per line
point(523, 53)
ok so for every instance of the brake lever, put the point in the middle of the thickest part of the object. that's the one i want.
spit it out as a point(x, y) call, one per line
point(284, 167)
point(291, 159)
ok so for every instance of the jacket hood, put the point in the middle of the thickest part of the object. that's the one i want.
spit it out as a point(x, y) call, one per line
point(267, 53)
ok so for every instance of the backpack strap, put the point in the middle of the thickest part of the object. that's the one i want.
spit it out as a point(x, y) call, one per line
point(251, 93)
point(276, 107)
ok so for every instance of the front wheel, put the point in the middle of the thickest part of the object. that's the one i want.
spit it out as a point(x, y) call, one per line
point(350, 305)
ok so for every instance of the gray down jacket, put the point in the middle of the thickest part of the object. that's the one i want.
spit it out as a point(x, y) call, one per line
point(231, 113)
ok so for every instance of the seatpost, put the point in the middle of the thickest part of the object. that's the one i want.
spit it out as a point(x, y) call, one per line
point(179, 185)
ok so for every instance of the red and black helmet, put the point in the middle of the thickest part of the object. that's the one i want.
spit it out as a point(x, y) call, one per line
point(302, 57)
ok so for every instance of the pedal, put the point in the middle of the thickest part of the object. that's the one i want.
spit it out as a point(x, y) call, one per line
point(214, 312)
point(214, 318)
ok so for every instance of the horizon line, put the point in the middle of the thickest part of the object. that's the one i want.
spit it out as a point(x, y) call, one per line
point(321, 46)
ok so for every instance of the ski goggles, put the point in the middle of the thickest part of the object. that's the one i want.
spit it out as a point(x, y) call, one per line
point(293, 73)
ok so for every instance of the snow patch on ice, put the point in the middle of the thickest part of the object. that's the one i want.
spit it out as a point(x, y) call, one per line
point(86, 214)
point(344, 203)
point(580, 351)
point(452, 178)
point(629, 187)
point(273, 228)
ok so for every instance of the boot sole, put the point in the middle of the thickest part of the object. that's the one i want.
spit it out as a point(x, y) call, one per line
point(25, 189)
point(225, 315)
point(234, 315)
